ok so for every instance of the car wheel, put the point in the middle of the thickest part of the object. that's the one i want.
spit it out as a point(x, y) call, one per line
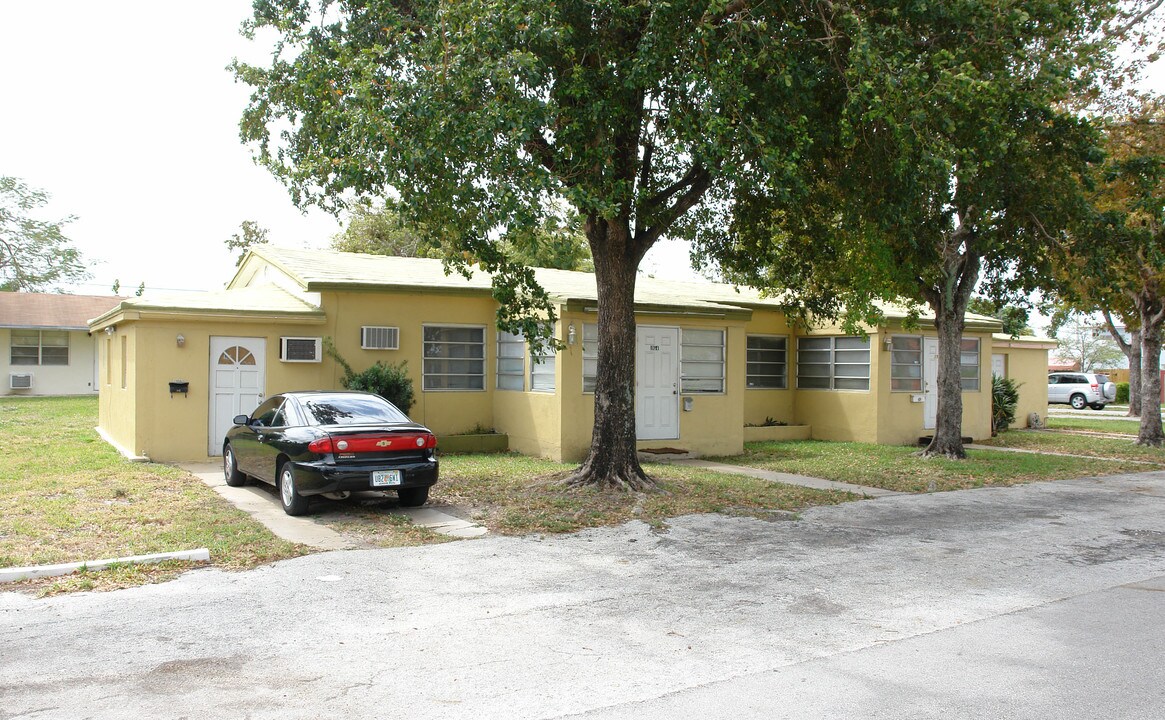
point(1078, 402)
point(293, 502)
point(413, 497)
point(230, 468)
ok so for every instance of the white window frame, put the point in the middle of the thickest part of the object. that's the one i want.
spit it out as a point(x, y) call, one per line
point(39, 347)
point(511, 347)
point(685, 377)
point(317, 352)
point(897, 353)
point(590, 357)
point(833, 363)
point(425, 374)
point(750, 377)
point(967, 382)
point(543, 366)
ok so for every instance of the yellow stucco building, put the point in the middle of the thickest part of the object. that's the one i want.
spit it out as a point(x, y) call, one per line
point(710, 359)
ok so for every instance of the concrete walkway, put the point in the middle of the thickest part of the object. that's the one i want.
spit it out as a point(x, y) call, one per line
point(788, 478)
point(260, 505)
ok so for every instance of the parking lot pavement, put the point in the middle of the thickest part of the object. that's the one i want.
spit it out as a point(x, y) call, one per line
point(1035, 601)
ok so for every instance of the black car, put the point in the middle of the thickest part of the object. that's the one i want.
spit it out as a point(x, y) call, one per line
point(331, 443)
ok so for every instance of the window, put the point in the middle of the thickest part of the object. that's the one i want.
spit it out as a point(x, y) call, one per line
point(542, 368)
point(833, 363)
point(766, 367)
point(590, 356)
point(969, 364)
point(379, 338)
point(40, 347)
point(511, 351)
point(300, 349)
point(906, 364)
point(701, 361)
point(454, 358)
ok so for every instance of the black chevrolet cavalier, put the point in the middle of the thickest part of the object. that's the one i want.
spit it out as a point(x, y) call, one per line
point(331, 443)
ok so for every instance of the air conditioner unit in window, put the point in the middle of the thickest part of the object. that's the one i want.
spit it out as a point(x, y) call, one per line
point(300, 349)
point(20, 381)
point(379, 338)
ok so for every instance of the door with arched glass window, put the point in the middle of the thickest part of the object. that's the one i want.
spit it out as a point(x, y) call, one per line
point(237, 375)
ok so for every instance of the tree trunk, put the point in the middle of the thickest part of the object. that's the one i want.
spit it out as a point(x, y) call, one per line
point(1135, 375)
point(1150, 431)
point(961, 265)
point(613, 460)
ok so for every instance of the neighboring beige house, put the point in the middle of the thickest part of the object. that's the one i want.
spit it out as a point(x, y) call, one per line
point(710, 359)
point(47, 349)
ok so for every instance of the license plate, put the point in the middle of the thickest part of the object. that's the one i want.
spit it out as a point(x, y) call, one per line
point(385, 478)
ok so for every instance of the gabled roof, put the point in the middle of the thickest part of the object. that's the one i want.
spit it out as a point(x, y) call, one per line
point(318, 270)
point(51, 311)
point(256, 301)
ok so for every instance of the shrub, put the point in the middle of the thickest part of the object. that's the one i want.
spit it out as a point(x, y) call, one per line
point(389, 381)
point(1004, 398)
point(1122, 393)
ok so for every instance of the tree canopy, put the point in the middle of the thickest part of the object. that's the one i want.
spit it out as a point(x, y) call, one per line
point(486, 117)
point(35, 254)
point(954, 164)
point(250, 234)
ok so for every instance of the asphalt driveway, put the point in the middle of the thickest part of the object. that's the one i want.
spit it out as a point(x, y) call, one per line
point(1039, 601)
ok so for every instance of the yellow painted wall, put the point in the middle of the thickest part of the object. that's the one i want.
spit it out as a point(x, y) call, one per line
point(1028, 366)
point(117, 412)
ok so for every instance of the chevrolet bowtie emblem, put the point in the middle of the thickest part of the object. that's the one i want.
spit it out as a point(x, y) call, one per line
point(384, 443)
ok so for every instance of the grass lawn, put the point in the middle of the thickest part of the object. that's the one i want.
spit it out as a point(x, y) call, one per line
point(897, 468)
point(1115, 426)
point(1078, 444)
point(66, 496)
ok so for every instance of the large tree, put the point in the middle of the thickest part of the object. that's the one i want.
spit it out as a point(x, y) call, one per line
point(1121, 251)
point(34, 253)
point(958, 166)
point(487, 116)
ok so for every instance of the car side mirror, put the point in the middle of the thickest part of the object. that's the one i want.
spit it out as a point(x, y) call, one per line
point(241, 419)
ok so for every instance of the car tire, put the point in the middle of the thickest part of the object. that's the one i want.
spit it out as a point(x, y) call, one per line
point(230, 468)
point(293, 502)
point(412, 497)
point(1078, 402)
point(1097, 406)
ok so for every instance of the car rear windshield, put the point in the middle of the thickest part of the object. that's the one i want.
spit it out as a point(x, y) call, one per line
point(351, 410)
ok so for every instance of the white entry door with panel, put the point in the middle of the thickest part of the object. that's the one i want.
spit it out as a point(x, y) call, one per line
point(237, 377)
point(929, 382)
point(657, 379)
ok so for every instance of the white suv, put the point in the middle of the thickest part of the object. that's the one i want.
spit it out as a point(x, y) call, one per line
point(1080, 390)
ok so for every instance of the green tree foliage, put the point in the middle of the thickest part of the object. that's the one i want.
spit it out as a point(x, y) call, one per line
point(1118, 258)
point(34, 253)
point(250, 234)
point(380, 230)
point(1013, 317)
point(953, 164)
point(486, 117)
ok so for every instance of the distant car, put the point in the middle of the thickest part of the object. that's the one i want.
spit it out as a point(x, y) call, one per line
point(1080, 390)
point(331, 443)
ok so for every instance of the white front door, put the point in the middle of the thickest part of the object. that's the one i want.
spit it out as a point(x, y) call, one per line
point(929, 382)
point(999, 365)
point(237, 374)
point(657, 378)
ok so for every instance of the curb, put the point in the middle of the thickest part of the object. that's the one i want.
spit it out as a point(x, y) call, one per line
point(39, 571)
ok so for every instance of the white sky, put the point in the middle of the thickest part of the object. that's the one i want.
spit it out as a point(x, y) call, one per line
point(124, 112)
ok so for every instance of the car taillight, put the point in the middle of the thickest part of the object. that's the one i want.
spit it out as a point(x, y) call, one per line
point(1094, 387)
point(323, 446)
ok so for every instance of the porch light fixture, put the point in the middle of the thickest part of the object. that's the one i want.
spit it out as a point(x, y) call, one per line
point(570, 336)
point(181, 339)
point(110, 329)
point(888, 343)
